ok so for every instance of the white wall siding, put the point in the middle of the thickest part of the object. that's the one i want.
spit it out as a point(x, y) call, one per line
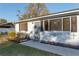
point(55, 36)
point(30, 26)
point(17, 27)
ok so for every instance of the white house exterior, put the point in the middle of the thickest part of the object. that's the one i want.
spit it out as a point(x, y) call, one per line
point(66, 22)
point(17, 27)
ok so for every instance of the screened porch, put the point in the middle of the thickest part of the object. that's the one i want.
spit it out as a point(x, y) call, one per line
point(60, 30)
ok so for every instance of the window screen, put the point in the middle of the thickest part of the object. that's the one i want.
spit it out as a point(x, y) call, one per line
point(66, 24)
point(73, 24)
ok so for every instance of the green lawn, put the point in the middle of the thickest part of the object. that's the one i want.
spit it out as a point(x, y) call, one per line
point(14, 49)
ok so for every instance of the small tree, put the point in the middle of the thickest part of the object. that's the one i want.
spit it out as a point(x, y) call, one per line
point(3, 20)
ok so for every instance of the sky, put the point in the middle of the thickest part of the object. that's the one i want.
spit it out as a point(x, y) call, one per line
point(9, 10)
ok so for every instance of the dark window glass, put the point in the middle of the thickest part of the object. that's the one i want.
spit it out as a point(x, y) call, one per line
point(56, 25)
point(46, 25)
point(66, 24)
point(23, 26)
point(42, 26)
point(74, 24)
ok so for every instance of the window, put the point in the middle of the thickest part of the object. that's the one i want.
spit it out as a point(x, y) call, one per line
point(73, 24)
point(23, 26)
point(56, 25)
point(46, 25)
point(66, 24)
point(51, 25)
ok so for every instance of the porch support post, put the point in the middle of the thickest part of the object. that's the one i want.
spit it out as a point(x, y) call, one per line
point(70, 23)
point(62, 23)
point(43, 25)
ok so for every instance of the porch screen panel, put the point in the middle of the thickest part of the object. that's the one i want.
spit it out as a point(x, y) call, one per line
point(23, 26)
point(73, 24)
point(52, 25)
point(66, 24)
point(46, 25)
point(56, 25)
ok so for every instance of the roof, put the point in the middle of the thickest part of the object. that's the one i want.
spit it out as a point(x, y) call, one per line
point(6, 25)
point(54, 15)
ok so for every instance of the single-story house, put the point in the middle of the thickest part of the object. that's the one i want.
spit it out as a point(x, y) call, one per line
point(60, 27)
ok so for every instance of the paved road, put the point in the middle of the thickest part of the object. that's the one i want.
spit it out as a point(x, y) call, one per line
point(51, 48)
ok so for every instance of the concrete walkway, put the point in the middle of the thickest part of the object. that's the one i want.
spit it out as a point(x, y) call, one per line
point(51, 48)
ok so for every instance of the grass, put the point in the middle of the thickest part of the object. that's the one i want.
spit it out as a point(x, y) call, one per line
point(14, 49)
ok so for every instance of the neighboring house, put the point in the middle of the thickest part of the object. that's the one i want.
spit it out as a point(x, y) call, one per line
point(6, 27)
point(62, 24)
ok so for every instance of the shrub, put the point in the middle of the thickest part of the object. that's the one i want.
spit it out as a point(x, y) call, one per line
point(19, 37)
point(11, 35)
point(22, 37)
